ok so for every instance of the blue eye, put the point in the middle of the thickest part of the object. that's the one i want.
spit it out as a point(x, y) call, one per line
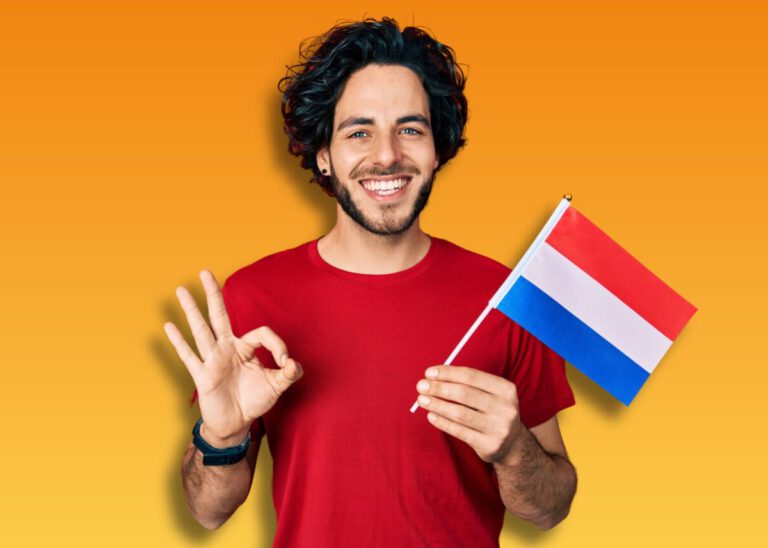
point(360, 134)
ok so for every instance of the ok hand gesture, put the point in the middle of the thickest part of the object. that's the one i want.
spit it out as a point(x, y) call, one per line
point(233, 387)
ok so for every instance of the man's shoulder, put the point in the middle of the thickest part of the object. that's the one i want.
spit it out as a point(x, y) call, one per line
point(271, 266)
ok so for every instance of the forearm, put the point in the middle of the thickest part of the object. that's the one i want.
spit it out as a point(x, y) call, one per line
point(213, 493)
point(535, 485)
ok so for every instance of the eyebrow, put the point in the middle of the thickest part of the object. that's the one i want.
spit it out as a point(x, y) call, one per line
point(362, 121)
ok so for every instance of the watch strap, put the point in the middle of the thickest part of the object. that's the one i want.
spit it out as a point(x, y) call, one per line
point(214, 456)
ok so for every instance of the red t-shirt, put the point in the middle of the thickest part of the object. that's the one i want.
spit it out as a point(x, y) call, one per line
point(352, 465)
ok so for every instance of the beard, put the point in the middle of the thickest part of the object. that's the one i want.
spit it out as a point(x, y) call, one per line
point(388, 224)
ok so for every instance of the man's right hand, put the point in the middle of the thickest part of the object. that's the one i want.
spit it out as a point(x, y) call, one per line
point(233, 387)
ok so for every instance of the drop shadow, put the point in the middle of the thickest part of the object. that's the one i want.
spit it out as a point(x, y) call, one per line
point(517, 253)
point(262, 485)
point(310, 193)
point(522, 530)
point(165, 355)
point(584, 387)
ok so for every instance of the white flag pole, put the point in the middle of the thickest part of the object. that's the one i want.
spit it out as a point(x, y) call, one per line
point(459, 346)
point(511, 279)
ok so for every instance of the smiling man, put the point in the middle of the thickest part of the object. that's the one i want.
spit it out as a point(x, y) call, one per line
point(401, 144)
point(363, 315)
point(381, 162)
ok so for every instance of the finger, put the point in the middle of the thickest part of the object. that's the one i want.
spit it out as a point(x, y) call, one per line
point(460, 393)
point(186, 354)
point(467, 435)
point(284, 377)
point(264, 336)
point(482, 380)
point(204, 339)
point(217, 311)
point(457, 413)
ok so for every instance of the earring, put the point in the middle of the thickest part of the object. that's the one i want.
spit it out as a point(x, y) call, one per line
point(324, 171)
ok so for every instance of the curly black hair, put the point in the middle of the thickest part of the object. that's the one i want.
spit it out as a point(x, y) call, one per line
point(312, 88)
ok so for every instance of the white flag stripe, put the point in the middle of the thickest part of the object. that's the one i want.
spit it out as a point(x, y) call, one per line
point(597, 307)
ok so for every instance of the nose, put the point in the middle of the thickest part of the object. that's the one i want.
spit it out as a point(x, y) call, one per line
point(386, 151)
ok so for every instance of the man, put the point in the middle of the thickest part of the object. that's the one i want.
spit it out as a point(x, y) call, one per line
point(363, 315)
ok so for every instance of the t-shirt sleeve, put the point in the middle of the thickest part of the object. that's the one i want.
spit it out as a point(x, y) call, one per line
point(232, 303)
point(539, 375)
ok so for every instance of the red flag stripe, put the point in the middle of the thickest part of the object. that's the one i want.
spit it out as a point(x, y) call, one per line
point(589, 248)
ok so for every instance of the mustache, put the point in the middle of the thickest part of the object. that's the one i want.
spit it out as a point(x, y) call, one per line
point(392, 170)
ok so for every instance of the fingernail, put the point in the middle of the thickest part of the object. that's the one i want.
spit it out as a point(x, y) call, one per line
point(284, 359)
point(423, 400)
point(432, 373)
point(423, 386)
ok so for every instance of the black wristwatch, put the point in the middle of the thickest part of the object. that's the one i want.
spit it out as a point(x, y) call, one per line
point(213, 456)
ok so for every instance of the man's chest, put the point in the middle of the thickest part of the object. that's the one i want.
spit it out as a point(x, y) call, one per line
point(361, 363)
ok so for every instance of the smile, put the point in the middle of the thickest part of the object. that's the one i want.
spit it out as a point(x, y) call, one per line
point(385, 187)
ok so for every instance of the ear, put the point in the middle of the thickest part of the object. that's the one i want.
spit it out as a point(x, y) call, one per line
point(323, 160)
point(437, 163)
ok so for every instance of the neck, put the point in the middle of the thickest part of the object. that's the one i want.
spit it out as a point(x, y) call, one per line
point(350, 247)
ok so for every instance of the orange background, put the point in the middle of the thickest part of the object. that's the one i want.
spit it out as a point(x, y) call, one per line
point(140, 142)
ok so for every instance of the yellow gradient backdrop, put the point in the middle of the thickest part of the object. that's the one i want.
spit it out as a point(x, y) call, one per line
point(140, 142)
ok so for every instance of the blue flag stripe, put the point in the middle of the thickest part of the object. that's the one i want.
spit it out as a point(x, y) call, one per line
point(572, 339)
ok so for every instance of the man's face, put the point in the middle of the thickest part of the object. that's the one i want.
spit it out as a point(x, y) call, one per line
point(382, 155)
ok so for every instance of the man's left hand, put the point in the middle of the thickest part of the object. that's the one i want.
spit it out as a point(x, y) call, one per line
point(474, 406)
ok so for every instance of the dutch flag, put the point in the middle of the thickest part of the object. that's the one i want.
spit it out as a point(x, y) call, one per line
point(590, 301)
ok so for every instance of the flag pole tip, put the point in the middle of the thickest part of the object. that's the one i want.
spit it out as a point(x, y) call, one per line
point(568, 197)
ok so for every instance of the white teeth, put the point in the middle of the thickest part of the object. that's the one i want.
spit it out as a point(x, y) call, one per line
point(384, 187)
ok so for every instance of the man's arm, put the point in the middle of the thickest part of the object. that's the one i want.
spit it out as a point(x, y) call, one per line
point(213, 493)
point(234, 389)
point(537, 482)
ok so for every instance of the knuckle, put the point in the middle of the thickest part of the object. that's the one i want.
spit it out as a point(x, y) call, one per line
point(461, 391)
point(458, 414)
point(270, 335)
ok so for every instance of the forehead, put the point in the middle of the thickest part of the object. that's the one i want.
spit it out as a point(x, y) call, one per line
point(384, 93)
